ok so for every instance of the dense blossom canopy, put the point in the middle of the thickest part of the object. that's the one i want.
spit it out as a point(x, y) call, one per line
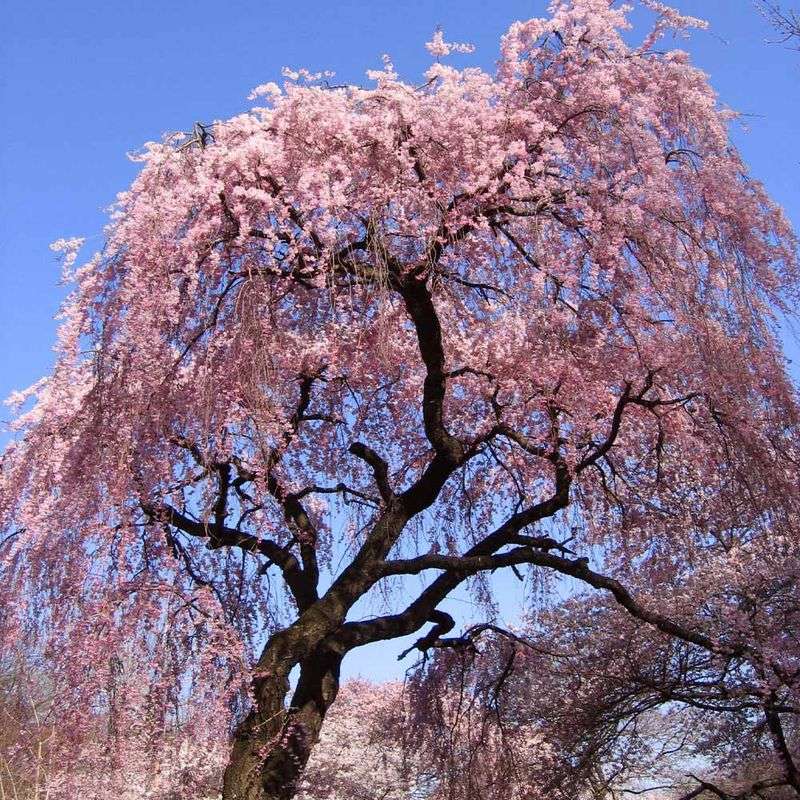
point(356, 334)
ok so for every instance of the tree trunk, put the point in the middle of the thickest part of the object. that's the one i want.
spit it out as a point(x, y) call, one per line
point(242, 780)
point(273, 744)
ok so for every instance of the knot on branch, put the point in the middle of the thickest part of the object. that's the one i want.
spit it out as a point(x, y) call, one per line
point(442, 623)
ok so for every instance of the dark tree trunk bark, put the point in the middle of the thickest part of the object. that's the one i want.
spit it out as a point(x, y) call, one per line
point(261, 727)
point(273, 744)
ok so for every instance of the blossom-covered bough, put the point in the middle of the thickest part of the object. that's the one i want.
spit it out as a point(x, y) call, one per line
point(499, 320)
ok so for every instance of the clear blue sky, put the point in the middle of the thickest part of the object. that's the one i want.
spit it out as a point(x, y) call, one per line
point(84, 82)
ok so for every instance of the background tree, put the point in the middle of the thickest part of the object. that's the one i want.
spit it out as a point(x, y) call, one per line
point(357, 335)
point(616, 707)
point(26, 728)
point(367, 748)
point(786, 21)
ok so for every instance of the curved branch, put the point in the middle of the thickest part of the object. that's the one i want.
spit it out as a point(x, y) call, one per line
point(221, 536)
point(420, 307)
point(460, 567)
point(380, 469)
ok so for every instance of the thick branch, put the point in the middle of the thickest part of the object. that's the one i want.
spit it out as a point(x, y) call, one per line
point(221, 536)
point(420, 307)
point(380, 469)
point(414, 617)
point(782, 748)
point(461, 567)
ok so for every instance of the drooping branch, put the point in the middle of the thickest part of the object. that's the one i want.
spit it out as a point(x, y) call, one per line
point(302, 581)
point(464, 566)
point(379, 467)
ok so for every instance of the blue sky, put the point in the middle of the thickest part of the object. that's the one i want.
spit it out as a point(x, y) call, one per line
point(84, 82)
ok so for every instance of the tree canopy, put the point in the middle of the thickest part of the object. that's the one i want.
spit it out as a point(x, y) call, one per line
point(514, 320)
